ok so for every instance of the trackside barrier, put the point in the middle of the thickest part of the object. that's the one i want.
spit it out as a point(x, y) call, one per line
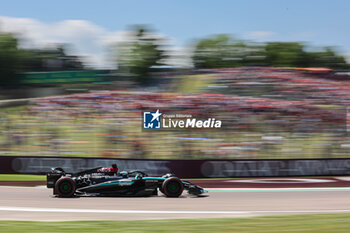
point(182, 168)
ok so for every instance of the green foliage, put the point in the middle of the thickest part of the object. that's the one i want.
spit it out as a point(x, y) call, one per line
point(50, 59)
point(224, 51)
point(219, 51)
point(285, 54)
point(10, 61)
point(142, 51)
point(14, 60)
point(328, 58)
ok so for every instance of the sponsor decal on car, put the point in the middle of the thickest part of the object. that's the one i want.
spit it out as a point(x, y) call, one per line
point(125, 182)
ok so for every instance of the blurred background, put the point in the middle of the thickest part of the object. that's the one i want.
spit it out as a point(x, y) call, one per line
point(75, 80)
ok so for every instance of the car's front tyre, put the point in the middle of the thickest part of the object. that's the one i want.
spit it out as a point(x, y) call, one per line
point(172, 187)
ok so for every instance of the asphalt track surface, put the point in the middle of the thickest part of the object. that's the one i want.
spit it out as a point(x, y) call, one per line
point(291, 182)
point(38, 204)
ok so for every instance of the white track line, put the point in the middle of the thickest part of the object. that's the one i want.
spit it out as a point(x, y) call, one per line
point(61, 210)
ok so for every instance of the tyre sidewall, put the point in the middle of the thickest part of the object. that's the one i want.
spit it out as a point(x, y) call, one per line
point(65, 180)
point(165, 188)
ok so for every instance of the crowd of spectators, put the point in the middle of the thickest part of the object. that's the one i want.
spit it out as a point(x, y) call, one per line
point(265, 113)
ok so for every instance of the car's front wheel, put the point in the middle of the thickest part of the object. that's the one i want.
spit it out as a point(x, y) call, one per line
point(65, 187)
point(172, 187)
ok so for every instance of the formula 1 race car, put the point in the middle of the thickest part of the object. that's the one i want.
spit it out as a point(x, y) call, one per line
point(106, 181)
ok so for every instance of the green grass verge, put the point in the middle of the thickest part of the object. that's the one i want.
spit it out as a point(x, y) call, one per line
point(319, 223)
point(21, 177)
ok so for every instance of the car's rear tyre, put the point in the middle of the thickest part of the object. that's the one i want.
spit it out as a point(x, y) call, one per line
point(65, 187)
point(172, 187)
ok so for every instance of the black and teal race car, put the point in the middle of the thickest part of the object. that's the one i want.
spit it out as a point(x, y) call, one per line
point(106, 181)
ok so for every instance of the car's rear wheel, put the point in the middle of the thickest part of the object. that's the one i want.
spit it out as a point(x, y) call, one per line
point(172, 187)
point(65, 187)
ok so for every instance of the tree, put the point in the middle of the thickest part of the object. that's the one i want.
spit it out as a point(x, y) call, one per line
point(286, 54)
point(10, 61)
point(219, 51)
point(224, 51)
point(138, 54)
point(51, 59)
point(328, 58)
